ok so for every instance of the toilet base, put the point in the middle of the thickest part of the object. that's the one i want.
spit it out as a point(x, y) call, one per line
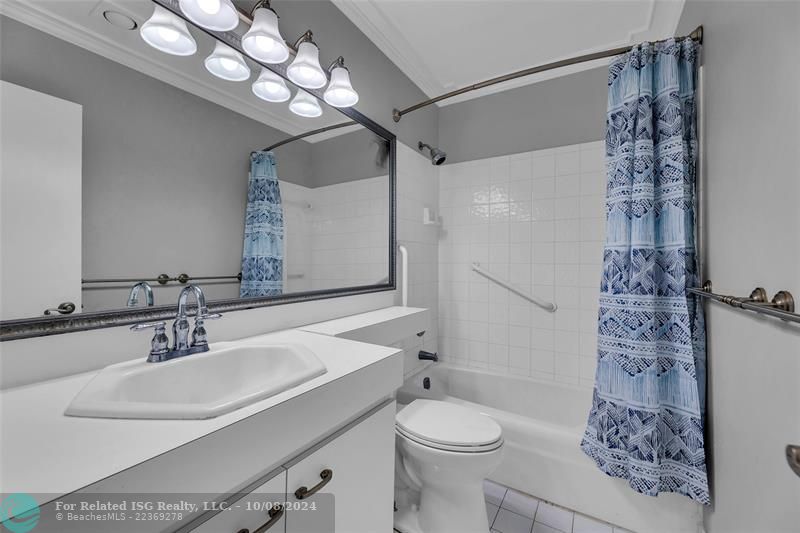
point(406, 520)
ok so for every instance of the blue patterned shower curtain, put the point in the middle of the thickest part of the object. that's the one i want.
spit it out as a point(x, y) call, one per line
point(646, 420)
point(262, 255)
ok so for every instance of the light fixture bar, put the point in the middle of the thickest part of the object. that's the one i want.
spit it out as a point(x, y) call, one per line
point(338, 62)
point(247, 18)
point(397, 114)
point(234, 41)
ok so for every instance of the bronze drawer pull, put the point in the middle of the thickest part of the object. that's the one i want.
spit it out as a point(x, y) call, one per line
point(275, 514)
point(304, 492)
point(793, 456)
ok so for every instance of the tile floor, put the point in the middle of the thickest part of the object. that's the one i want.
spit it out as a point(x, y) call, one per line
point(511, 511)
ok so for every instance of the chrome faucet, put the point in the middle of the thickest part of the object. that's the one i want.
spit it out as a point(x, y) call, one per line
point(159, 346)
point(133, 297)
point(180, 328)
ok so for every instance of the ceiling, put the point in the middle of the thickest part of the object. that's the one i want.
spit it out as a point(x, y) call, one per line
point(444, 45)
point(81, 22)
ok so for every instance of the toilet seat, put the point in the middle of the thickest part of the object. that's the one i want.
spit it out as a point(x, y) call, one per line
point(449, 427)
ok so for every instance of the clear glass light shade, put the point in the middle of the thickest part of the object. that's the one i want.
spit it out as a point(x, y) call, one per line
point(167, 32)
point(305, 70)
point(217, 15)
point(227, 63)
point(305, 105)
point(263, 40)
point(340, 92)
point(271, 87)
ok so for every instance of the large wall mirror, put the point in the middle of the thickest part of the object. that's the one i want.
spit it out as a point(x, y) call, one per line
point(128, 174)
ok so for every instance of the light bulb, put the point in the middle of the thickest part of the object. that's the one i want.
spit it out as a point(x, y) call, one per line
point(211, 7)
point(271, 87)
point(305, 105)
point(263, 41)
point(168, 33)
point(217, 15)
point(226, 63)
point(305, 70)
point(340, 92)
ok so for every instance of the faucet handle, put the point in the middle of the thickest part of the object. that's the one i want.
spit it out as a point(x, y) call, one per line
point(147, 325)
point(159, 345)
point(199, 334)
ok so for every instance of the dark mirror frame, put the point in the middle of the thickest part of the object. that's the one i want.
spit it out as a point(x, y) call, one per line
point(43, 326)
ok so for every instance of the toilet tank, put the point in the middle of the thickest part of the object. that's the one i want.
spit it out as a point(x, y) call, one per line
point(406, 328)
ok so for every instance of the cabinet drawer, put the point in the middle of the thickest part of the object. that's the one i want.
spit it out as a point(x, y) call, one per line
point(251, 512)
point(361, 484)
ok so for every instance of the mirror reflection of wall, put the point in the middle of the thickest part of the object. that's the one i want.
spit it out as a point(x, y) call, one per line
point(164, 181)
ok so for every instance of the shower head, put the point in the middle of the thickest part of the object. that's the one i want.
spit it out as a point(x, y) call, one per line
point(437, 156)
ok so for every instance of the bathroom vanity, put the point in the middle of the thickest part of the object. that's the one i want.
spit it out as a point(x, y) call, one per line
point(333, 433)
point(161, 178)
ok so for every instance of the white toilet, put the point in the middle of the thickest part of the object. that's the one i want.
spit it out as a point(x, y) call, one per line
point(444, 453)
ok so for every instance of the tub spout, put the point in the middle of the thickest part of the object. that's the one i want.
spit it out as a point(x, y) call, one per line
point(427, 356)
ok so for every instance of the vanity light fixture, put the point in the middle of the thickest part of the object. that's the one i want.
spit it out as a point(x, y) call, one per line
point(226, 63)
point(340, 92)
point(271, 87)
point(263, 41)
point(168, 33)
point(216, 15)
point(305, 70)
point(305, 105)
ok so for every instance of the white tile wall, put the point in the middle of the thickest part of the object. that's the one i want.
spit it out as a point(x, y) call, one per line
point(297, 264)
point(347, 231)
point(536, 219)
point(335, 236)
point(417, 188)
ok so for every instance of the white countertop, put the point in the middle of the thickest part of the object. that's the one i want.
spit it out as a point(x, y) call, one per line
point(384, 326)
point(44, 451)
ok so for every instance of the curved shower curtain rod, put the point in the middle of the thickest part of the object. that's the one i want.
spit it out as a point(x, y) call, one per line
point(397, 114)
point(309, 134)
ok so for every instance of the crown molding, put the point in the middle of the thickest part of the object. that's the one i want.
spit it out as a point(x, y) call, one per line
point(368, 18)
point(662, 20)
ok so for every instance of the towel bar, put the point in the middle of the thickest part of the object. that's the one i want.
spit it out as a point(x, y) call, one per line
point(781, 306)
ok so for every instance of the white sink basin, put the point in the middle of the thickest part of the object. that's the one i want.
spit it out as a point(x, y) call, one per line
point(196, 386)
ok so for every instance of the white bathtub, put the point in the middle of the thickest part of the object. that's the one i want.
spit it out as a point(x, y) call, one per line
point(542, 424)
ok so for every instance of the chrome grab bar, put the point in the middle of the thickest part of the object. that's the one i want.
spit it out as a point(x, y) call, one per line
point(547, 306)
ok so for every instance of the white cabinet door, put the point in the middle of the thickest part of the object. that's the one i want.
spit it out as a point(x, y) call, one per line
point(262, 510)
point(40, 202)
point(361, 487)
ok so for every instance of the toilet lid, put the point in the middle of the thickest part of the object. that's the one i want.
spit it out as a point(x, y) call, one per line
point(447, 424)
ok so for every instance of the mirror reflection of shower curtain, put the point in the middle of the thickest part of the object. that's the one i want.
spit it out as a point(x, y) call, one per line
point(262, 253)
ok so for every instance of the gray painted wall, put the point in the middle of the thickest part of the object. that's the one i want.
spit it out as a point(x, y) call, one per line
point(751, 54)
point(156, 196)
point(381, 84)
point(164, 171)
point(139, 111)
point(346, 158)
point(557, 112)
